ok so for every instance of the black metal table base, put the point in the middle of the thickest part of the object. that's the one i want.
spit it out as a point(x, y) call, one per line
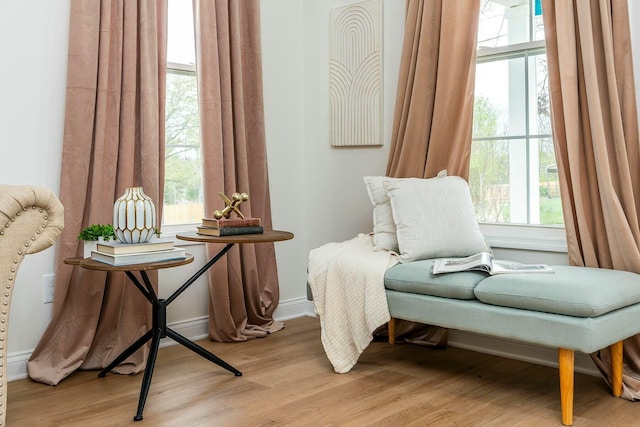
point(160, 330)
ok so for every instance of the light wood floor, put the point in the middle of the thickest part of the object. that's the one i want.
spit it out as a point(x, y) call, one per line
point(288, 381)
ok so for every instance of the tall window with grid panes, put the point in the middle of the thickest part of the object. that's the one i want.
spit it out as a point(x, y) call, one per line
point(183, 201)
point(513, 174)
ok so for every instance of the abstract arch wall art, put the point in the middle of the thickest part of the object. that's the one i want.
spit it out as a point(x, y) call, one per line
point(355, 74)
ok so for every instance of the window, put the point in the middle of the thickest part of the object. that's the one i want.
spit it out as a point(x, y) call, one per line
point(183, 200)
point(513, 174)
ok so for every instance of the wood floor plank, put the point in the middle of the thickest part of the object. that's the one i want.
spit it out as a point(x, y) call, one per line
point(288, 381)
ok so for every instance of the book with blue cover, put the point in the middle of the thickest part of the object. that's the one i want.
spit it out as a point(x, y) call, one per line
point(229, 231)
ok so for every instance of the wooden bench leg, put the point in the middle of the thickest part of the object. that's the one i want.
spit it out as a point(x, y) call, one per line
point(392, 330)
point(566, 366)
point(616, 368)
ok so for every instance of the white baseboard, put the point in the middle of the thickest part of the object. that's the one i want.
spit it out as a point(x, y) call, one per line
point(17, 365)
point(294, 308)
point(196, 329)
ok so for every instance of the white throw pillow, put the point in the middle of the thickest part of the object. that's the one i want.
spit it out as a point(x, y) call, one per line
point(384, 229)
point(434, 218)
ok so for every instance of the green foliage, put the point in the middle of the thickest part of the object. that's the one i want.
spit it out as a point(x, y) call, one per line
point(94, 231)
point(551, 211)
point(489, 171)
point(485, 118)
point(489, 180)
point(544, 191)
point(489, 166)
point(183, 160)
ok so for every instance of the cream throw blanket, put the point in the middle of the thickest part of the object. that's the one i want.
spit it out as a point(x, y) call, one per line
point(347, 282)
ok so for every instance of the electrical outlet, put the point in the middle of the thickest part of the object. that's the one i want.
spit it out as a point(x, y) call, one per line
point(48, 283)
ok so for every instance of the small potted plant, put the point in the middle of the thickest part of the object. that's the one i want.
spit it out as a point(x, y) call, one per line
point(94, 234)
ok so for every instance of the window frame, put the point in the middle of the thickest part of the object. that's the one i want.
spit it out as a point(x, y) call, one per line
point(180, 47)
point(544, 238)
point(181, 68)
point(170, 230)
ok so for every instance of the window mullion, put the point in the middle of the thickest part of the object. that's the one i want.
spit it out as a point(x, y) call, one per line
point(514, 50)
point(527, 139)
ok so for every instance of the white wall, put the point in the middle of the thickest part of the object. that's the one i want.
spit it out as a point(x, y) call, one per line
point(317, 190)
point(283, 76)
point(33, 44)
point(339, 202)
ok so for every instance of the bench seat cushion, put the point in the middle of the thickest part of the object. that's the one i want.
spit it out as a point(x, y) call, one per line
point(571, 291)
point(416, 278)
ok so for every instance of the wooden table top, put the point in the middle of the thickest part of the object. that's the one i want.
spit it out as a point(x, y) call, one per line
point(90, 264)
point(267, 236)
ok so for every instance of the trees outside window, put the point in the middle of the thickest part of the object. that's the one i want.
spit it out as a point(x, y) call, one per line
point(183, 200)
point(513, 173)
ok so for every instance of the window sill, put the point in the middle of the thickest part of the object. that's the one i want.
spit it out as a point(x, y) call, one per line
point(526, 237)
point(504, 236)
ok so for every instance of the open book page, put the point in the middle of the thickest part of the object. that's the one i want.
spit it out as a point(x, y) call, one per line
point(484, 261)
point(506, 267)
point(480, 261)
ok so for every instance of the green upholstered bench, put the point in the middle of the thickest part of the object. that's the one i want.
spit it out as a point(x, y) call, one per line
point(574, 309)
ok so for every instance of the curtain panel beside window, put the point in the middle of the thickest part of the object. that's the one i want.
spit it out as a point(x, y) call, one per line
point(595, 128)
point(243, 287)
point(434, 102)
point(113, 139)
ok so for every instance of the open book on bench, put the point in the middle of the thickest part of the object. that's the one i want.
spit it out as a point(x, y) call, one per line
point(484, 261)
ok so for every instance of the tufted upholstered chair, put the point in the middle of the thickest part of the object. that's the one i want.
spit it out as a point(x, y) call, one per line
point(31, 219)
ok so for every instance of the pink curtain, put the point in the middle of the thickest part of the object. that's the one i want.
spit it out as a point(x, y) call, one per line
point(113, 139)
point(434, 107)
point(595, 129)
point(434, 104)
point(243, 287)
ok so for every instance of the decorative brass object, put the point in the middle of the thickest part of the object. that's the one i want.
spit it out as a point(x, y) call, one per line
point(231, 205)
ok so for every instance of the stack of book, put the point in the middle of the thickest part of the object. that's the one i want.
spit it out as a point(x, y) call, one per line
point(117, 253)
point(229, 226)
